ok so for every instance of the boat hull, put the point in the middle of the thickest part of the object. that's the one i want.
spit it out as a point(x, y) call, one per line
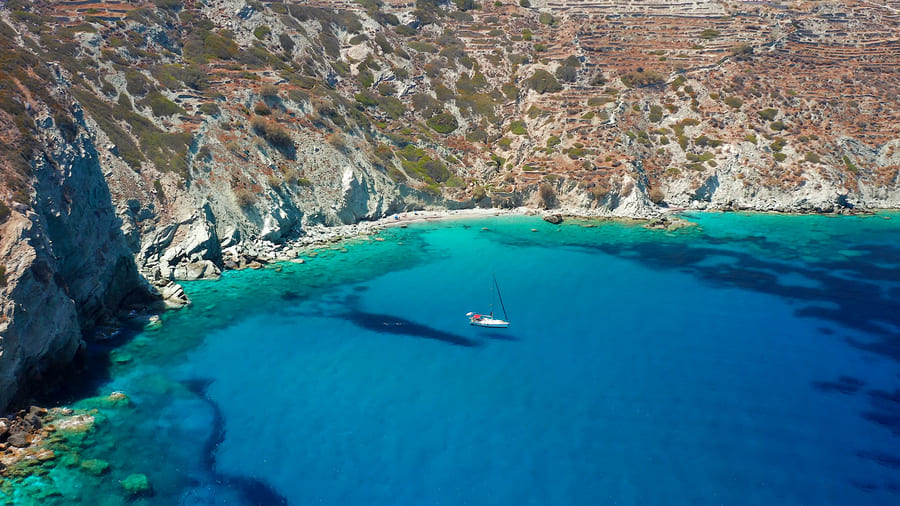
point(489, 322)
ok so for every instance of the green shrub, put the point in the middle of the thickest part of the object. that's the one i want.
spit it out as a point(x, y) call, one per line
point(367, 99)
point(553, 141)
point(776, 126)
point(734, 102)
point(780, 157)
point(262, 31)
point(518, 128)
point(277, 135)
point(544, 82)
point(209, 109)
point(850, 165)
point(383, 43)
point(366, 78)
point(406, 31)
point(812, 157)
point(218, 46)
point(268, 90)
point(392, 106)
point(160, 105)
point(425, 104)
point(709, 34)
point(262, 109)
point(768, 114)
point(136, 83)
point(655, 113)
point(643, 78)
point(443, 123)
point(386, 89)
point(287, 43)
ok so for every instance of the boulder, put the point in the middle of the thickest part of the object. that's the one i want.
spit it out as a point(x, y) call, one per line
point(555, 219)
point(32, 422)
point(18, 439)
point(37, 410)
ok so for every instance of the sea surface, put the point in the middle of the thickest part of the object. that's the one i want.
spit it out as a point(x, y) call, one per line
point(752, 359)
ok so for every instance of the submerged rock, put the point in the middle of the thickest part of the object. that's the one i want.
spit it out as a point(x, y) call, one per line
point(76, 424)
point(95, 466)
point(136, 484)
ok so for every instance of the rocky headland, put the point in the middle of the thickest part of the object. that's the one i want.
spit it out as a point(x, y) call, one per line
point(143, 143)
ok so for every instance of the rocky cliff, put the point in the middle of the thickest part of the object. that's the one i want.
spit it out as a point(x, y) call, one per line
point(147, 142)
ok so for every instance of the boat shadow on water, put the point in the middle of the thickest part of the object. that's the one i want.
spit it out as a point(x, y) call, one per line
point(390, 324)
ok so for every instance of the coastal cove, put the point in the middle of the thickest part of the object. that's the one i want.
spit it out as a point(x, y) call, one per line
point(750, 359)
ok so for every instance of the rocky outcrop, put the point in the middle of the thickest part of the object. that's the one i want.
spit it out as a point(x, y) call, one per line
point(39, 327)
point(67, 264)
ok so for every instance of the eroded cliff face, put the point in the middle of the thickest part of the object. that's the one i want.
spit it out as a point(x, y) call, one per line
point(67, 266)
point(39, 327)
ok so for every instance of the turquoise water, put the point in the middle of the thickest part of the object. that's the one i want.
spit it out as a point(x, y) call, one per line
point(753, 359)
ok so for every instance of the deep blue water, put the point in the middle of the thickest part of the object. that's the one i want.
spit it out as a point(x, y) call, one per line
point(754, 359)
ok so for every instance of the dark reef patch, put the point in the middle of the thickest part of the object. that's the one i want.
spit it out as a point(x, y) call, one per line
point(251, 490)
point(844, 385)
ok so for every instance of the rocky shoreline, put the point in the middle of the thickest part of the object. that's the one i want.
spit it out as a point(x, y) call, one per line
point(36, 441)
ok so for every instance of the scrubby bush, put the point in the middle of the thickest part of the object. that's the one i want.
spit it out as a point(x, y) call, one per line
point(768, 114)
point(277, 135)
point(392, 106)
point(387, 89)
point(161, 106)
point(209, 109)
point(261, 32)
point(734, 102)
point(544, 82)
point(268, 90)
point(136, 83)
point(642, 77)
point(287, 43)
point(443, 123)
point(262, 109)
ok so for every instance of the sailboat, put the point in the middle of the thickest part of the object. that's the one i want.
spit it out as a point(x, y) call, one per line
point(488, 320)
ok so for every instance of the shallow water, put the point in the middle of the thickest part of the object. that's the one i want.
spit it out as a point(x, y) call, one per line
point(750, 360)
